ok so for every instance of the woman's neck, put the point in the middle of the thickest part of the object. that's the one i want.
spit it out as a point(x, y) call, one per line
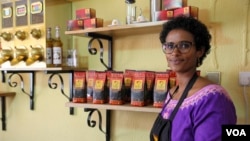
point(183, 78)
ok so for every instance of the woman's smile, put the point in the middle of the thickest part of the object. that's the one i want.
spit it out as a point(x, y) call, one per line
point(175, 61)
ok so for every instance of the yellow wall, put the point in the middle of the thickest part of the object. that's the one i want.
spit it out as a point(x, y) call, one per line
point(228, 22)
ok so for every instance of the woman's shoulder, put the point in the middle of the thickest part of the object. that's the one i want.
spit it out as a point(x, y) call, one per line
point(206, 87)
point(212, 89)
point(209, 93)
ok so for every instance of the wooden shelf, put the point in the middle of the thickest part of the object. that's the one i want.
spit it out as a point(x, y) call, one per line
point(2, 94)
point(125, 30)
point(41, 69)
point(51, 2)
point(125, 107)
point(30, 69)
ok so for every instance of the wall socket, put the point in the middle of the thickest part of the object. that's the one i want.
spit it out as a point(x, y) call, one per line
point(244, 78)
point(213, 76)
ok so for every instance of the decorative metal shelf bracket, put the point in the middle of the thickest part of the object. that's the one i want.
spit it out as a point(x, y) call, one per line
point(15, 84)
point(3, 77)
point(93, 51)
point(3, 96)
point(92, 123)
point(109, 66)
point(55, 85)
point(3, 105)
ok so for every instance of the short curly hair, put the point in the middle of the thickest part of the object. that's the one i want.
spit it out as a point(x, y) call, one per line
point(199, 30)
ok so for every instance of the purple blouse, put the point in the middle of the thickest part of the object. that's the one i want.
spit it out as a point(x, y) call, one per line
point(201, 115)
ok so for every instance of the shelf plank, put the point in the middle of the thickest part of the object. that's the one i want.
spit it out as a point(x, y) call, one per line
point(120, 29)
point(51, 2)
point(125, 107)
point(4, 94)
point(41, 69)
point(29, 69)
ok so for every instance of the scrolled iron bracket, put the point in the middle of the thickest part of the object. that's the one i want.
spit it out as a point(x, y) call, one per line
point(3, 76)
point(15, 84)
point(109, 66)
point(93, 51)
point(92, 123)
point(53, 85)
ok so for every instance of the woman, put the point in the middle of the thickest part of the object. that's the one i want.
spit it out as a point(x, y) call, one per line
point(204, 106)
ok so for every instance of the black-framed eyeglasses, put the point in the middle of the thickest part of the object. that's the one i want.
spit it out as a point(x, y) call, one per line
point(182, 46)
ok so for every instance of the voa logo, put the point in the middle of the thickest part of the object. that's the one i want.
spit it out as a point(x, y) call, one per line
point(236, 132)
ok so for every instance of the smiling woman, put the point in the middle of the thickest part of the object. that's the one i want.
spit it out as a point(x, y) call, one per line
point(196, 108)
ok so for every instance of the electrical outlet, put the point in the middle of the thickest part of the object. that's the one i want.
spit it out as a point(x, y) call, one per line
point(244, 78)
point(213, 76)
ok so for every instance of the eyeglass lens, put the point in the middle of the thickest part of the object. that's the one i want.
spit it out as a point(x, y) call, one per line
point(182, 46)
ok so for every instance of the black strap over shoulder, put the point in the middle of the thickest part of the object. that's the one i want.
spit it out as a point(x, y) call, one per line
point(184, 95)
point(161, 130)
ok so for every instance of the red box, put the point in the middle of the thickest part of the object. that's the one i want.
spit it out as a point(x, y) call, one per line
point(75, 25)
point(85, 13)
point(164, 15)
point(187, 11)
point(93, 23)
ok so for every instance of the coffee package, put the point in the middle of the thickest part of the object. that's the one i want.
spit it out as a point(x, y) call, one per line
point(161, 88)
point(128, 77)
point(90, 84)
point(100, 88)
point(80, 87)
point(116, 89)
point(150, 77)
point(138, 88)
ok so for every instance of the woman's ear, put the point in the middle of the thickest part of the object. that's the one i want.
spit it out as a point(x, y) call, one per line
point(200, 52)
